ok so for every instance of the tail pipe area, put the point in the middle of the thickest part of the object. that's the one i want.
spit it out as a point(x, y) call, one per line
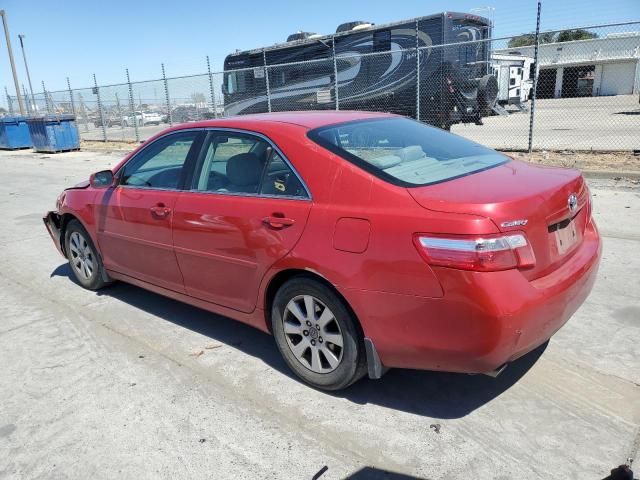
point(497, 371)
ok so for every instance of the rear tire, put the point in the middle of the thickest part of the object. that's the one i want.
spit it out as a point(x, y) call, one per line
point(324, 346)
point(84, 259)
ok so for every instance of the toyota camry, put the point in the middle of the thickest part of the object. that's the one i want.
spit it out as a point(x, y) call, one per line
point(360, 241)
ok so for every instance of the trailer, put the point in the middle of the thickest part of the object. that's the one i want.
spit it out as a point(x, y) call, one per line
point(514, 74)
point(378, 68)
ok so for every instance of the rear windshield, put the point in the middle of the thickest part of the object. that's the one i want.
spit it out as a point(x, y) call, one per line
point(406, 152)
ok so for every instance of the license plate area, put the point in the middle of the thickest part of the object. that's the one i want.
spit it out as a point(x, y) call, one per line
point(566, 235)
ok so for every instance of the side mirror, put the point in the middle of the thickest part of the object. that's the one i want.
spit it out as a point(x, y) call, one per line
point(103, 179)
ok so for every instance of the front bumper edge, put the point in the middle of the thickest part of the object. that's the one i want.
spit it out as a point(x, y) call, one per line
point(53, 222)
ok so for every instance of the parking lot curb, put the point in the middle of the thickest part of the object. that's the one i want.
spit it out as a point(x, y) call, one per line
point(611, 174)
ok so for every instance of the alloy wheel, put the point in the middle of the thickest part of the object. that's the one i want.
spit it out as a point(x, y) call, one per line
point(313, 334)
point(82, 256)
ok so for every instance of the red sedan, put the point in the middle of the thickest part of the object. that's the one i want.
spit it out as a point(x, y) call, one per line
point(361, 241)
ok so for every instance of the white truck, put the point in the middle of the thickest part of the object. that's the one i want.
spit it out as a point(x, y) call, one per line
point(515, 78)
point(142, 119)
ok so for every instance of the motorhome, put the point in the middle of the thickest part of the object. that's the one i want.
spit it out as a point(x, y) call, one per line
point(364, 66)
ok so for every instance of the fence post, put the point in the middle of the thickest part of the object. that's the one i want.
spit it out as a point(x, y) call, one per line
point(83, 109)
point(120, 113)
point(73, 103)
point(535, 81)
point(266, 78)
point(417, 72)
point(26, 98)
point(46, 99)
point(100, 111)
point(211, 91)
point(131, 107)
point(335, 74)
point(9, 102)
point(166, 95)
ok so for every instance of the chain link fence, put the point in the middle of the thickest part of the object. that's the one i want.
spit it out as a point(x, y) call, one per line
point(578, 90)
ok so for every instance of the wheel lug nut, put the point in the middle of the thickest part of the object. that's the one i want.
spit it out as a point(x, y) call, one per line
point(308, 323)
point(317, 326)
point(320, 340)
point(313, 342)
point(306, 332)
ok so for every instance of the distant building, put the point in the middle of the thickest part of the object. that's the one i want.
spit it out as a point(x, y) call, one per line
point(584, 68)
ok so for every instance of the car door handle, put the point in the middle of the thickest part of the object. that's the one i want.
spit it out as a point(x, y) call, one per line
point(160, 210)
point(278, 222)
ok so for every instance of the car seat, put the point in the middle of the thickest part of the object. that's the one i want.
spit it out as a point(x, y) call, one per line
point(243, 172)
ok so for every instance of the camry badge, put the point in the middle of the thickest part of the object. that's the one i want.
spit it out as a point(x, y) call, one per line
point(572, 202)
point(514, 223)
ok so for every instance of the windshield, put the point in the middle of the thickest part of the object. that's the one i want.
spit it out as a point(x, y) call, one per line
point(405, 152)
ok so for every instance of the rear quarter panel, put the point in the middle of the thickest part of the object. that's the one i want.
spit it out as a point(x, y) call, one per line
point(390, 263)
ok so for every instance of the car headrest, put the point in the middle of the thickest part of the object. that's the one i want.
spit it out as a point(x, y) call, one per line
point(385, 161)
point(413, 152)
point(244, 169)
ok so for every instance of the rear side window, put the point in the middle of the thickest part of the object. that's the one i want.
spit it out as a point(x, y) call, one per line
point(280, 180)
point(406, 152)
point(245, 164)
point(382, 41)
point(232, 163)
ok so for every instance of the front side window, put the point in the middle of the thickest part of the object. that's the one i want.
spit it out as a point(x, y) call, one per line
point(160, 164)
point(405, 152)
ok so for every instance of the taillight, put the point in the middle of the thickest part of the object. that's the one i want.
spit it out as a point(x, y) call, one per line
point(484, 253)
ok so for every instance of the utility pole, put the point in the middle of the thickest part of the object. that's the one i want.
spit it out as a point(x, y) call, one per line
point(13, 64)
point(26, 67)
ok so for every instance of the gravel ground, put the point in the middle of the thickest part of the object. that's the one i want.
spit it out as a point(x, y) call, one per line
point(124, 383)
point(619, 164)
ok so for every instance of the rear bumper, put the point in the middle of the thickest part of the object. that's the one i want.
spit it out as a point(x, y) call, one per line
point(53, 224)
point(483, 320)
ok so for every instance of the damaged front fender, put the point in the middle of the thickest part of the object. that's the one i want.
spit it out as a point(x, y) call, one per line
point(53, 222)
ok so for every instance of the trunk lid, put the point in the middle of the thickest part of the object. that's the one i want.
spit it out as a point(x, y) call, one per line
point(518, 191)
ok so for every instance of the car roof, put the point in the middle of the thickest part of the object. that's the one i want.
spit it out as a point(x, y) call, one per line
point(306, 119)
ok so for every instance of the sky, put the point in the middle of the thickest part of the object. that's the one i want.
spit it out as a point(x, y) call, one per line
point(76, 39)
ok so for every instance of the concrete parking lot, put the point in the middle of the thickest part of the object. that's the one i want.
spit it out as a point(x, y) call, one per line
point(127, 384)
point(591, 123)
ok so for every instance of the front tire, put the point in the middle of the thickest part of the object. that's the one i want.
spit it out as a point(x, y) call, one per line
point(84, 260)
point(317, 334)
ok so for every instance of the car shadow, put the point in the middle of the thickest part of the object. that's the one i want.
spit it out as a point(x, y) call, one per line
point(630, 112)
point(371, 473)
point(432, 394)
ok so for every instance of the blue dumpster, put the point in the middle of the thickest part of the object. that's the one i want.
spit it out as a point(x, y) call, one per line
point(14, 133)
point(54, 133)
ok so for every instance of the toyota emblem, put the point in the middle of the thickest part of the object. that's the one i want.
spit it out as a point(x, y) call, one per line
point(572, 202)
